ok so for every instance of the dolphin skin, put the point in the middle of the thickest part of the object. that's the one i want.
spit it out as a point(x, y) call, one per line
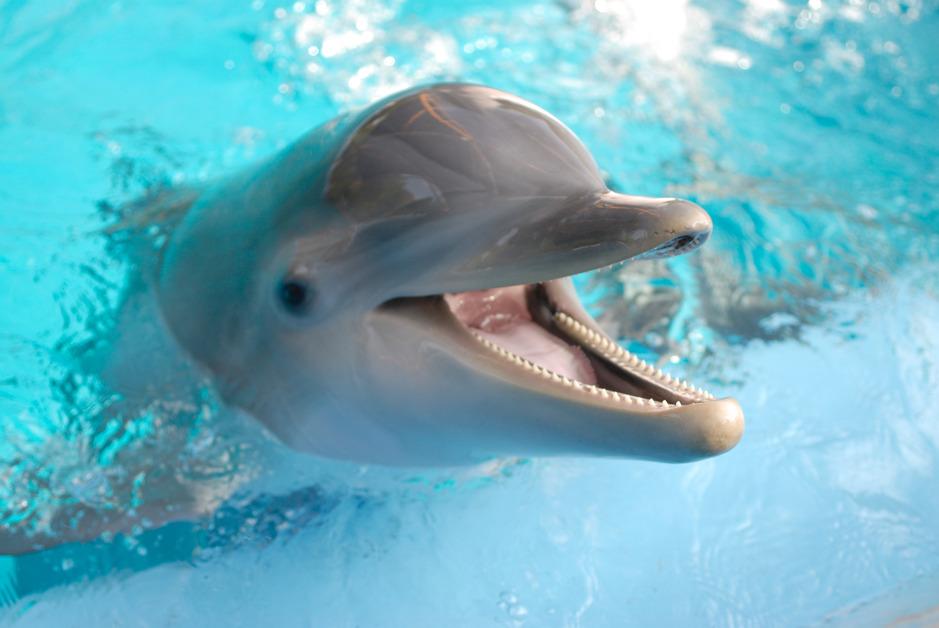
point(394, 288)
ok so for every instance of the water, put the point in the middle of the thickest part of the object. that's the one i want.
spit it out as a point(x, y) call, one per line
point(810, 133)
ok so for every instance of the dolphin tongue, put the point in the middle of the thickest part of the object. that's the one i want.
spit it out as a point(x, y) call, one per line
point(501, 315)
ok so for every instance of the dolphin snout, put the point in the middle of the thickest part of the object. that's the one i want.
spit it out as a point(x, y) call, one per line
point(658, 227)
point(687, 223)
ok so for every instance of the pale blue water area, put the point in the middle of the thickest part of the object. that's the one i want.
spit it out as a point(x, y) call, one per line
point(810, 132)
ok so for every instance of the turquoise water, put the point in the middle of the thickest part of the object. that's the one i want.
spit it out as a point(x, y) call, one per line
point(809, 132)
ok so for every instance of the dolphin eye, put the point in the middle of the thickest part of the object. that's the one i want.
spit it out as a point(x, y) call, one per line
point(295, 296)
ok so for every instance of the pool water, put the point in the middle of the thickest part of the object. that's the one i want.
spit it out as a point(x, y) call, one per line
point(808, 130)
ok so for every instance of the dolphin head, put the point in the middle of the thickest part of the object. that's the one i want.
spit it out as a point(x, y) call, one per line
point(394, 288)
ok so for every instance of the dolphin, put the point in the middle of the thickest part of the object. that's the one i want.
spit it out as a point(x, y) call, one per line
point(394, 288)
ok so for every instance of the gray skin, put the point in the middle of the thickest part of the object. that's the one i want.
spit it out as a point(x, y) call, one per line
point(308, 287)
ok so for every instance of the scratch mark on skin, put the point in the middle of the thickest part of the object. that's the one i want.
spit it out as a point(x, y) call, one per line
point(429, 107)
point(427, 103)
point(414, 118)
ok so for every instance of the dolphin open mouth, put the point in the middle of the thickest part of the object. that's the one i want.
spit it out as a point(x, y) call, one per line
point(542, 328)
point(530, 351)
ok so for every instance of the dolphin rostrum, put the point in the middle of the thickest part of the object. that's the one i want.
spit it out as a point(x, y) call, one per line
point(394, 288)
